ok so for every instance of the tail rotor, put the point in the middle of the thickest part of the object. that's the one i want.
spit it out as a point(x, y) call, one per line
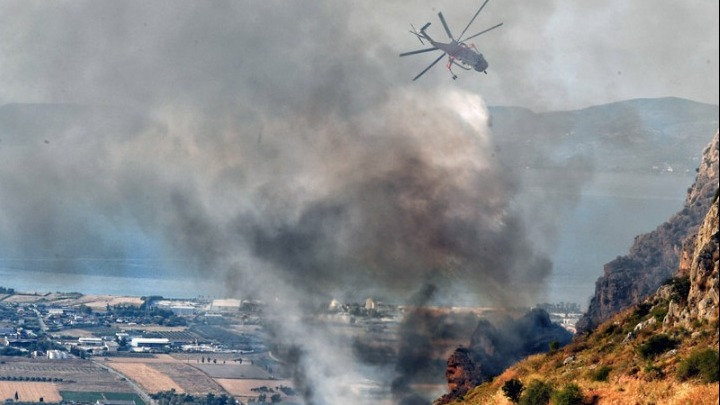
point(419, 34)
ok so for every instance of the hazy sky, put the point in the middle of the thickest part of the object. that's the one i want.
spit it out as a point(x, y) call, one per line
point(549, 54)
point(259, 118)
point(281, 149)
point(276, 119)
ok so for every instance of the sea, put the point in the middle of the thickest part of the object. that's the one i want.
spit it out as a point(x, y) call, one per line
point(613, 208)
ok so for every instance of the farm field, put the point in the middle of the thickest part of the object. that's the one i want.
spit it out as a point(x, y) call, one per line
point(29, 391)
point(150, 379)
point(95, 396)
point(242, 389)
point(96, 302)
point(76, 374)
point(174, 372)
point(241, 371)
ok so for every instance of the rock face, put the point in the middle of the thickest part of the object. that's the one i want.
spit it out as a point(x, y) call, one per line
point(655, 256)
point(495, 346)
point(701, 267)
point(463, 371)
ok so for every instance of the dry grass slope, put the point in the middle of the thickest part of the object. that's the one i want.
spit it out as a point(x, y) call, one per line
point(611, 368)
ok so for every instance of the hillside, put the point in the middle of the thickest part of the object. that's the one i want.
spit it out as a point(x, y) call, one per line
point(639, 135)
point(654, 256)
point(663, 350)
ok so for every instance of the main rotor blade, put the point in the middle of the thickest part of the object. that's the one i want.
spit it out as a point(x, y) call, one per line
point(482, 32)
point(417, 52)
point(442, 20)
point(428, 68)
point(473, 19)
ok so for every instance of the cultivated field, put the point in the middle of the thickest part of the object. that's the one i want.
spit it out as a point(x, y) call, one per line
point(184, 377)
point(97, 302)
point(242, 389)
point(29, 391)
point(76, 374)
point(146, 376)
point(240, 371)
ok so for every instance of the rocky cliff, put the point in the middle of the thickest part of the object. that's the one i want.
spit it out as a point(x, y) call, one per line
point(701, 268)
point(662, 350)
point(655, 256)
point(494, 346)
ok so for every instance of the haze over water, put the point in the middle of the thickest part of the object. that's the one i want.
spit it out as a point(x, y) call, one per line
point(613, 209)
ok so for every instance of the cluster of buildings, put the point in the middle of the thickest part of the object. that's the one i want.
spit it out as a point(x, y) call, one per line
point(39, 328)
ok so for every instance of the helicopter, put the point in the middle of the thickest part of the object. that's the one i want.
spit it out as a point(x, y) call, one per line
point(457, 50)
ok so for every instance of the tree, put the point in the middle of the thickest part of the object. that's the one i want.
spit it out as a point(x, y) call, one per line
point(657, 344)
point(537, 393)
point(513, 388)
point(571, 394)
point(703, 364)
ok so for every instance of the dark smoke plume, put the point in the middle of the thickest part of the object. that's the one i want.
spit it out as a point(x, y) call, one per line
point(265, 148)
point(494, 346)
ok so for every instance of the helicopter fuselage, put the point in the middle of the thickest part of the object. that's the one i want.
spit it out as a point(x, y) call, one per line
point(460, 51)
point(464, 53)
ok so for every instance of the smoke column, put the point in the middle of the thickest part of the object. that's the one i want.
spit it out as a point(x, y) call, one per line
point(207, 139)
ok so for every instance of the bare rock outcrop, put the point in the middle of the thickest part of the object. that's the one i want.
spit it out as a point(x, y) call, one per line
point(655, 256)
point(494, 346)
point(701, 268)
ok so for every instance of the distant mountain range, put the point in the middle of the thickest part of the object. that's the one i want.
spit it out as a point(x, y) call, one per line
point(661, 134)
point(644, 135)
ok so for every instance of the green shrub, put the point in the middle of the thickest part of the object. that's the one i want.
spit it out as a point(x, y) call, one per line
point(659, 311)
point(537, 393)
point(680, 288)
point(653, 372)
point(513, 388)
point(657, 344)
point(571, 394)
point(703, 364)
point(601, 374)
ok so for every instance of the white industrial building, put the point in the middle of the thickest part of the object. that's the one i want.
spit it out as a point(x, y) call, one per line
point(228, 304)
point(56, 354)
point(149, 343)
point(90, 341)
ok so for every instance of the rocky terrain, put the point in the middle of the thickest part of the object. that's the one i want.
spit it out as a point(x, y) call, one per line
point(654, 256)
point(496, 345)
point(662, 349)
